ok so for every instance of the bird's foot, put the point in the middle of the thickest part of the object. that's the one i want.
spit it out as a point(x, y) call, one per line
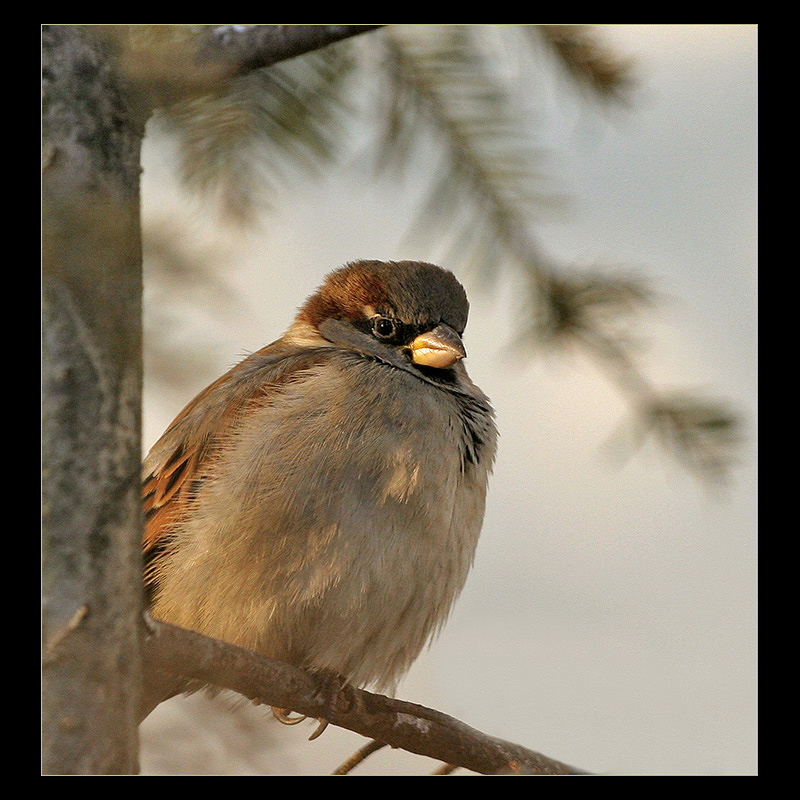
point(329, 684)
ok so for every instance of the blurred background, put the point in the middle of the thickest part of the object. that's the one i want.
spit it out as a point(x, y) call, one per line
point(610, 619)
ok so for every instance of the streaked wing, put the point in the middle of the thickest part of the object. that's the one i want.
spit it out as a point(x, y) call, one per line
point(178, 463)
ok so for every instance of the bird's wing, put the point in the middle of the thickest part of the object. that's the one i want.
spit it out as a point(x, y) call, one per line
point(178, 463)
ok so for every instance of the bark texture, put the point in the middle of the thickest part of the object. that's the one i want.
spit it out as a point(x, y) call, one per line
point(91, 390)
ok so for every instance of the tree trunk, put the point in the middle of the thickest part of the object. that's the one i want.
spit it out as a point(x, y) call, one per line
point(91, 384)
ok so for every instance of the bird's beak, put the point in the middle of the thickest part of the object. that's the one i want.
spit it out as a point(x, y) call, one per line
point(439, 348)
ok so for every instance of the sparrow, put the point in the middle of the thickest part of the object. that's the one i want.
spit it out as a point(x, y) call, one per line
point(321, 502)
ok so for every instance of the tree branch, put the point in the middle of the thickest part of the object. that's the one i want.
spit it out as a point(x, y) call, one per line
point(397, 723)
point(164, 64)
point(245, 48)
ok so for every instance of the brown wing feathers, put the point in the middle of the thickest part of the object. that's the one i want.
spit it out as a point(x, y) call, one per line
point(178, 460)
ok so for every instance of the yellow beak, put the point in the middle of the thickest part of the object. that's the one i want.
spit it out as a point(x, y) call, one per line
point(439, 348)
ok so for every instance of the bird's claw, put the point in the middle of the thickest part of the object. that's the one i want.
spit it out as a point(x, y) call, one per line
point(283, 716)
point(321, 725)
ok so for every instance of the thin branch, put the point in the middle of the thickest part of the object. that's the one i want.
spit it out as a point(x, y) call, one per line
point(397, 723)
point(359, 757)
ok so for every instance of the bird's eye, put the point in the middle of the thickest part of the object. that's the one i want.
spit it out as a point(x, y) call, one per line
point(384, 327)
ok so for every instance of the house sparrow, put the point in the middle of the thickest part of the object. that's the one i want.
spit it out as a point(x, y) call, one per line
point(320, 503)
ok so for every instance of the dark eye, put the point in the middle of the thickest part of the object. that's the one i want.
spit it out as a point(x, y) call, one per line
point(384, 327)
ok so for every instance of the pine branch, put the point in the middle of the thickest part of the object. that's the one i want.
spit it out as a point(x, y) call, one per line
point(491, 158)
point(174, 655)
point(588, 60)
point(241, 143)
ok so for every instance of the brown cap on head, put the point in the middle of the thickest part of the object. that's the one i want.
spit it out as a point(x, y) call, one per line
point(415, 292)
